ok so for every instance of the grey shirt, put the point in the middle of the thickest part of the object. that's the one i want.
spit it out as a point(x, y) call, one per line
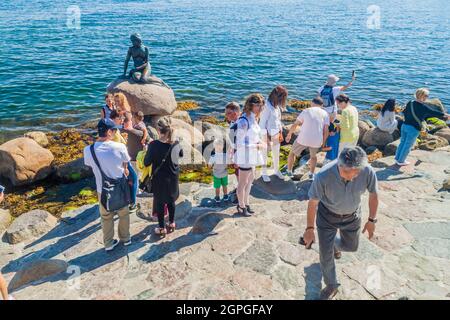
point(339, 196)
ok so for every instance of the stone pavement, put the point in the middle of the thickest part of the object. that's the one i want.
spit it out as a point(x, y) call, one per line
point(215, 254)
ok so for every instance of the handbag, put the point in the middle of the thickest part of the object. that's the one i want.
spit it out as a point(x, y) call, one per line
point(423, 130)
point(115, 192)
point(148, 181)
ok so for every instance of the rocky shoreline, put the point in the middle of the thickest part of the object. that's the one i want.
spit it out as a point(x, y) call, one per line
point(51, 244)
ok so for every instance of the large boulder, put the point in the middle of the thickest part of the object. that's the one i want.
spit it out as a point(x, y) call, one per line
point(182, 115)
point(5, 220)
point(37, 270)
point(74, 171)
point(183, 131)
point(30, 225)
point(364, 126)
point(150, 98)
point(38, 136)
point(391, 148)
point(431, 142)
point(444, 133)
point(24, 161)
point(376, 137)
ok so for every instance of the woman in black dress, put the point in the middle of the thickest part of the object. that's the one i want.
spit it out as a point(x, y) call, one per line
point(164, 155)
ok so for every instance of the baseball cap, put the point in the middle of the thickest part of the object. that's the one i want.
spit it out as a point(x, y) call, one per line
point(332, 80)
point(104, 125)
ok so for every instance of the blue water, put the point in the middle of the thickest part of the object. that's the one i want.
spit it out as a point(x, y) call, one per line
point(213, 51)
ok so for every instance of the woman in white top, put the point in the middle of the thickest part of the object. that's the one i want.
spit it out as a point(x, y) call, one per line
point(386, 120)
point(248, 150)
point(271, 124)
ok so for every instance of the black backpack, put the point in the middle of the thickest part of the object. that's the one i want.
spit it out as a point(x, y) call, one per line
point(327, 96)
point(115, 192)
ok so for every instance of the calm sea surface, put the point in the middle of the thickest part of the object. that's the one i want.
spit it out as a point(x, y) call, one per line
point(53, 76)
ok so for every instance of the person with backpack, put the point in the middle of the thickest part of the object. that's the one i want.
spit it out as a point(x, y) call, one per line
point(109, 162)
point(271, 124)
point(416, 112)
point(330, 91)
point(163, 156)
point(248, 150)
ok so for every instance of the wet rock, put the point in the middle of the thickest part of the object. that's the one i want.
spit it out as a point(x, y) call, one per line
point(24, 161)
point(73, 171)
point(5, 220)
point(151, 99)
point(376, 137)
point(30, 225)
point(38, 136)
point(35, 271)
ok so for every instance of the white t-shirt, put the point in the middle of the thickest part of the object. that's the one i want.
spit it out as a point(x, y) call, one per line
point(111, 156)
point(313, 121)
point(332, 109)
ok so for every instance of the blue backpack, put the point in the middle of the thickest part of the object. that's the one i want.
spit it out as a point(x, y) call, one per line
point(327, 96)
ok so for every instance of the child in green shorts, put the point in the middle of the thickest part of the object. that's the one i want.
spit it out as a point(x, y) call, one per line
point(219, 163)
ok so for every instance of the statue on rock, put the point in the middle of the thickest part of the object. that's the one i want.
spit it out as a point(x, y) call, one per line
point(142, 68)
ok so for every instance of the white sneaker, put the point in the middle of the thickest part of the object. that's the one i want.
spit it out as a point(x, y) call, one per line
point(266, 178)
point(127, 243)
point(402, 164)
point(279, 175)
point(112, 246)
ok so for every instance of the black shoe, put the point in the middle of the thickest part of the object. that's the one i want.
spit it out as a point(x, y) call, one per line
point(249, 210)
point(217, 200)
point(328, 293)
point(243, 211)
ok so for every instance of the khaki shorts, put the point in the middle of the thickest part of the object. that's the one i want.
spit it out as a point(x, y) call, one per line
point(297, 149)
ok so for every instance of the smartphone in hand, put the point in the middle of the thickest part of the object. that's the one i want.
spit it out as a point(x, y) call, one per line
point(303, 243)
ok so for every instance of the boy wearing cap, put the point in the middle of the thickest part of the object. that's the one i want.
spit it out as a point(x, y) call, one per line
point(330, 91)
point(113, 158)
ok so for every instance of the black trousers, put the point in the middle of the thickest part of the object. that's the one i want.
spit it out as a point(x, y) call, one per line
point(158, 208)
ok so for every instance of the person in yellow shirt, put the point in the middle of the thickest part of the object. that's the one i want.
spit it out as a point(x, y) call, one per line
point(349, 122)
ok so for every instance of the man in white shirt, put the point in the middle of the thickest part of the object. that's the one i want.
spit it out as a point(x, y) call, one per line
point(113, 158)
point(313, 133)
point(330, 91)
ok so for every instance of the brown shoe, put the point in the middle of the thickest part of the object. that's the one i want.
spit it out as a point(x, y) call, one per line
point(337, 254)
point(328, 293)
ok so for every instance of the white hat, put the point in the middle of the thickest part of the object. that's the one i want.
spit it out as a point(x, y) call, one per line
point(332, 80)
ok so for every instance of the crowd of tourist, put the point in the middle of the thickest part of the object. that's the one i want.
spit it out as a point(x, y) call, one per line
point(254, 132)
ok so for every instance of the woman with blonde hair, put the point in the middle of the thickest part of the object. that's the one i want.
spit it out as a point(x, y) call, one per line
point(416, 112)
point(349, 129)
point(124, 108)
point(270, 123)
point(248, 150)
point(163, 155)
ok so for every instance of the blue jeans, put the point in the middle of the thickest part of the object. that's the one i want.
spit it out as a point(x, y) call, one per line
point(408, 137)
point(134, 187)
point(333, 142)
